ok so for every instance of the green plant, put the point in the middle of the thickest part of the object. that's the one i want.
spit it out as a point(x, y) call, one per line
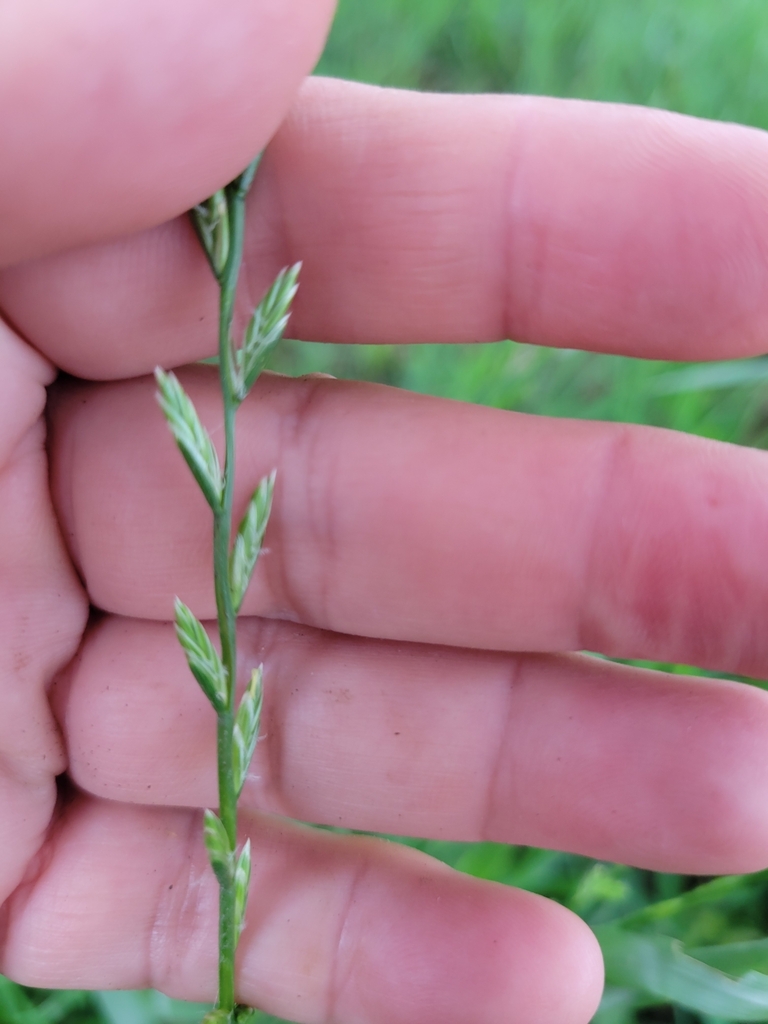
point(220, 224)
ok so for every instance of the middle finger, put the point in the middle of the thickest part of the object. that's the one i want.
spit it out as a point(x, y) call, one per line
point(412, 518)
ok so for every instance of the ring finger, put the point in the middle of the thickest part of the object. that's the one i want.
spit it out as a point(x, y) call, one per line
point(568, 752)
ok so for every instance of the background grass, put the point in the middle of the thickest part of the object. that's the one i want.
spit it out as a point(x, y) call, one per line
point(701, 57)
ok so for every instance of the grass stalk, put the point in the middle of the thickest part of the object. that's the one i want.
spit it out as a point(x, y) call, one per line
point(220, 225)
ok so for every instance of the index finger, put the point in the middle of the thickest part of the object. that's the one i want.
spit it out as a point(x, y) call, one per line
point(450, 218)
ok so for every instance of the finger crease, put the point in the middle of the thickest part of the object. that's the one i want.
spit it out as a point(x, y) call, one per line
point(487, 830)
point(303, 435)
point(592, 632)
point(178, 902)
point(337, 982)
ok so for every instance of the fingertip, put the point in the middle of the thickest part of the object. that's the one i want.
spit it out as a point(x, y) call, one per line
point(119, 116)
point(575, 978)
point(442, 948)
point(728, 823)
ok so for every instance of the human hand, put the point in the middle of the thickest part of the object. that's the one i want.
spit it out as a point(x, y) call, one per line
point(401, 525)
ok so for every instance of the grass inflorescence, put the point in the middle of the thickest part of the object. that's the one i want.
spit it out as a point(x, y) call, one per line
point(220, 224)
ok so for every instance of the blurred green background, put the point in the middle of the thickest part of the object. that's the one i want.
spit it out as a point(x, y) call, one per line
point(678, 949)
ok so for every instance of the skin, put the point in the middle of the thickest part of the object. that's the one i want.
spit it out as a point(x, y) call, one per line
point(431, 565)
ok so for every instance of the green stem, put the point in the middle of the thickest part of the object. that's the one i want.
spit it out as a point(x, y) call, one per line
point(222, 538)
point(227, 795)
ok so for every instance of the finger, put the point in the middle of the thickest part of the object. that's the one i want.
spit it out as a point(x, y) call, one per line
point(121, 115)
point(338, 929)
point(436, 218)
point(42, 613)
point(412, 518)
point(571, 753)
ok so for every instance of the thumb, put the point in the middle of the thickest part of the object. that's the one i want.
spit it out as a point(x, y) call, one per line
point(121, 115)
